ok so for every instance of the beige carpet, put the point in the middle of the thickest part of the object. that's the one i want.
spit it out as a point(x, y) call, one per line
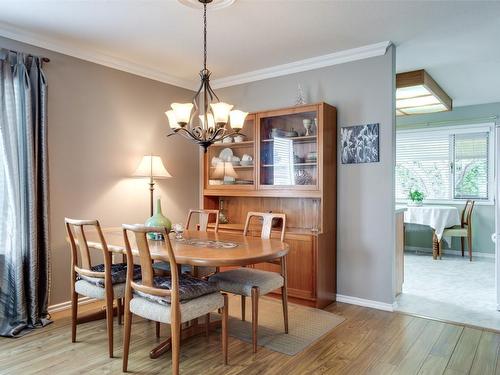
point(306, 325)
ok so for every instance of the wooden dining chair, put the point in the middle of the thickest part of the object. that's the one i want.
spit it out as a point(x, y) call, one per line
point(104, 281)
point(204, 216)
point(173, 299)
point(464, 230)
point(253, 283)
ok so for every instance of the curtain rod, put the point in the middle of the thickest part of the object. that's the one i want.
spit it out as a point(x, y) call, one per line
point(44, 59)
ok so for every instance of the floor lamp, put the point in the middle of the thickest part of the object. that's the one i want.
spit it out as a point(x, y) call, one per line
point(152, 167)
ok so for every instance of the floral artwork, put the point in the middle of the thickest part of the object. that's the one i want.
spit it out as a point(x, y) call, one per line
point(360, 144)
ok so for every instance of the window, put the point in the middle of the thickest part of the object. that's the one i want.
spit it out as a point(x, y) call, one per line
point(445, 164)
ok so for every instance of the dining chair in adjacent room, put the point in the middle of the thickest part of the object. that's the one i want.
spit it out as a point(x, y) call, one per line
point(174, 299)
point(105, 281)
point(253, 283)
point(204, 217)
point(464, 230)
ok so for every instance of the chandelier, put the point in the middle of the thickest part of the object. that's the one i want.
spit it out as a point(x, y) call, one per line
point(206, 120)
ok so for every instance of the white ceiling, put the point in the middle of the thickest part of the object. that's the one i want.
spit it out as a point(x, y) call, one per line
point(456, 42)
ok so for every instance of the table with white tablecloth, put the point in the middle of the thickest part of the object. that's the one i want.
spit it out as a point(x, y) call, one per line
point(436, 217)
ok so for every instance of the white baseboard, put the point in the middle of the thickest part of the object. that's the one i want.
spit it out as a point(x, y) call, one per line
point(67, 305)
point(366, 303)
point(452, 252)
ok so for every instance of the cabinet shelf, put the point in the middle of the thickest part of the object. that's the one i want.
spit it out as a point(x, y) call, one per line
point(239, 167)
point(301, 139)
point(234, 144)
point(295, 165)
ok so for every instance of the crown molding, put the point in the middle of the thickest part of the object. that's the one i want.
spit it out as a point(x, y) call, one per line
point(348, 55)
point(360, 53)
point(27, 37)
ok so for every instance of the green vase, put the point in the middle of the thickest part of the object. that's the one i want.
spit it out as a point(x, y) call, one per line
point(158, 220)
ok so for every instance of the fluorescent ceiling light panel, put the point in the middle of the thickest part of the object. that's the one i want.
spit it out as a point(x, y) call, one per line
point(411, 92)
point(418, 93)
point(424, 109)
point(417, 102)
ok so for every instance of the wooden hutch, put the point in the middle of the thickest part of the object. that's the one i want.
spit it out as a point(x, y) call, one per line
point(292, 170)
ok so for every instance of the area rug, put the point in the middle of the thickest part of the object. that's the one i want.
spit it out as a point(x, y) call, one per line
point(306, 325)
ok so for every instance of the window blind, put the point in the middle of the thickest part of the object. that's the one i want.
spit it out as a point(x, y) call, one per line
point(470, 165)
point(445, 164)
point(423, 164)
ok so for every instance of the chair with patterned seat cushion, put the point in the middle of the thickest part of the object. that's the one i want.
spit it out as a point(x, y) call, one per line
point(251, 282)
point(464, 230)
point(172, 300)
point(204, 217)
point(102, 281)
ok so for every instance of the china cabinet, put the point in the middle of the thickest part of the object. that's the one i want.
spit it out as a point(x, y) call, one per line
point(286, 162)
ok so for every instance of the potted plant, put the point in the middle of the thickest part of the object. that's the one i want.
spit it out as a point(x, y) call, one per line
point(416, 198)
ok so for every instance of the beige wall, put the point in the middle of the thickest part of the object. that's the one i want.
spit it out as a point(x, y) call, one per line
point(101, 121)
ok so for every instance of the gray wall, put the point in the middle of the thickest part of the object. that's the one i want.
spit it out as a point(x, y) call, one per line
point(483, 220)
point(101, 122)
point(363, 92)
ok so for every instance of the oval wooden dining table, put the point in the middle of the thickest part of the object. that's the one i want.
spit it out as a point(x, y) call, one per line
point(248, 250)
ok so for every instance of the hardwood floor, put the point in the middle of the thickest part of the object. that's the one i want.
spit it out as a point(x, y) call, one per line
point(368, 342)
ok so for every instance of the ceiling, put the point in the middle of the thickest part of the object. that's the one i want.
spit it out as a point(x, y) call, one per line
point(456, 42)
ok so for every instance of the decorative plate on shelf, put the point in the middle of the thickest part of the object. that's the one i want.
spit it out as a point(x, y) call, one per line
point(226, 154)
point(302, 177)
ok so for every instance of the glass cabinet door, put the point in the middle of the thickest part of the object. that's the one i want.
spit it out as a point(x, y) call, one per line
point(230, 163)
point(289, 150)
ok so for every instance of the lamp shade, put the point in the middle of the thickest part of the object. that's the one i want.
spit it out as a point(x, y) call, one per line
point(237, 118)
point(172, 121)
point(221, 112)
point(223, 170)
point(151, 166)
point(182, 112)
point(211, 122)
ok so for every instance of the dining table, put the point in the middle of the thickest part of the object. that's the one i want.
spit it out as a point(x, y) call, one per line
point(198, 249)
point(437, 217)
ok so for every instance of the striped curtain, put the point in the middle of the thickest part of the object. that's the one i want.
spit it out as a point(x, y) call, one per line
point(24, 242)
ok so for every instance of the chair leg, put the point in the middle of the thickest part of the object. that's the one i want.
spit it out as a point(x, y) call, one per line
point(119, 310)
point(284, 301)
point(469, 244)
point(225, 316)
point(109, 321)
point(74, 315)
point(157, 329)
point(126, 337)
point(243, 308)
point(207, 325)
point(176, 343)
point(255, 316)
point(462, 243)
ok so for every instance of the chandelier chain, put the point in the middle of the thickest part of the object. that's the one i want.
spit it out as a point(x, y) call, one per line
point(204, 36)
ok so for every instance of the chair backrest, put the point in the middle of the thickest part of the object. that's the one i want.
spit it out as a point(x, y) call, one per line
point(467, 213)
point(78, 242)
point(267, 223)
point(147, 285)
point(204, 216)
